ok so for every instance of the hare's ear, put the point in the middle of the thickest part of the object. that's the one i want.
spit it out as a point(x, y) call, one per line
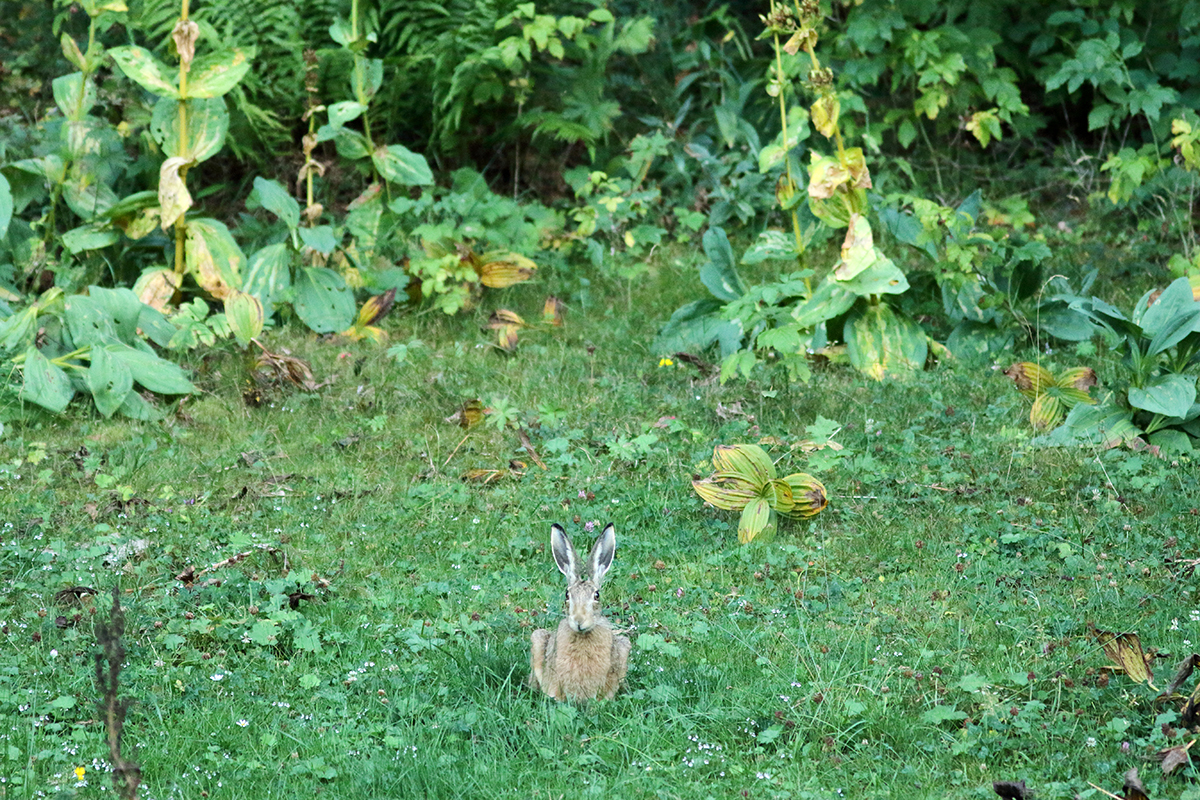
point(602, 554)
point(564, 553)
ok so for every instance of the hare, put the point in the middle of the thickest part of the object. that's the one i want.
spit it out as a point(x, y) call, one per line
point(583, 659)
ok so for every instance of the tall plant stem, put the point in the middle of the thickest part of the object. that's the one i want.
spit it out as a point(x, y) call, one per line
point(181, 223)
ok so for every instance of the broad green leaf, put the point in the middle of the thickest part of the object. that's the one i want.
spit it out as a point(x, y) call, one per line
point(6, 206)
point(74, 95)
point(830, 299)
point(718, 274)
point(207, 127)
point(136, 407)
point(86, 196)
point(940, 714)
point(1171, 440)
point(351, 144)
point(1155, 309)
point(154, 326)
point(1170, 395)
point(89, 322)
point(109, 380)
point(274, 198)
point(140, 65)
point(881, 343)
point(1105, 424)
point(122, 306)
point(44, 383)
point(150, 371)
point(213, 258)
point(215, 74)
point(323, 301)
point(319, 238)
point(269, 276)
point(976, 340)
point(72, 53)
point(89, 237)
point(17, 331)
point(397, 164)
point(694, 328)
point(244, 313)
point(343, 112)
point(882, 276)
point(746, 461)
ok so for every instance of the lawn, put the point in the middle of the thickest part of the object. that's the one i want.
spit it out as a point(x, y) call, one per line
point(332, 592)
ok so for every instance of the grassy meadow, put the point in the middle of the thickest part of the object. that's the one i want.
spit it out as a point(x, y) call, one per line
point(331, 593)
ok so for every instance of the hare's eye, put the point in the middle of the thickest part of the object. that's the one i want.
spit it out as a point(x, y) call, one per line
point(596, 596)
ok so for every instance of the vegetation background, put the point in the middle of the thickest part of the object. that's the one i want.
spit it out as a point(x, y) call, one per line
point(314, 316)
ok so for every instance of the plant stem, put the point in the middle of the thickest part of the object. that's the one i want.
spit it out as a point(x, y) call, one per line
point(181, 223)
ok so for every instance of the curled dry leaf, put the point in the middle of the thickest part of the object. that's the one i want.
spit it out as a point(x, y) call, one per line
point(468, 415)
point(184, 36)
point(1031, 379)
point(1133, 786)
point(1125, 651)
point(1182, 672)
point(280, 368)
point(552, 312)
point(502, 318)
point(1175, 757)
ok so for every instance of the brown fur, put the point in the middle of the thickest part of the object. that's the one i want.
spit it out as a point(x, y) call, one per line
point(583, 659)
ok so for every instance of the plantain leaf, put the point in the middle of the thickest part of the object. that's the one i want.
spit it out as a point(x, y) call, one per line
point(45, 384)
point(1170, 395)
point(269, 275)
point(109, 380)
point(213, 257)
point(323, 301)
point(244, 313)
point(881, 343)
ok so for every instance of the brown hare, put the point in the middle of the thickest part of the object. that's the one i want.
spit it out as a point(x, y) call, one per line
point(583, 659)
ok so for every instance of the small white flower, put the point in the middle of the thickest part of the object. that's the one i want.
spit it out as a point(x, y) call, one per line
point(217, 676)
point(1091, 741)
point(243, 723)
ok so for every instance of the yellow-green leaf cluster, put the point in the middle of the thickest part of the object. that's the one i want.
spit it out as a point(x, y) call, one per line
point(1052, 395)
point(744, 478)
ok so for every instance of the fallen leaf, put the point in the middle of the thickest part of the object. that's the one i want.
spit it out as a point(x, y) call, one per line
point(468, 415)
point(1133, 786)
point(1175, 757)
point(1125, 651)
point(552, 312)
point(1182, 673)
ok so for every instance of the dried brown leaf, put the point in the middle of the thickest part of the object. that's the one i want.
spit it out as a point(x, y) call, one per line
point(1133, 786)
point(528, 445)
point(1182, 673)
point(1125, 651)
point(1175, 757)
point(552, 312)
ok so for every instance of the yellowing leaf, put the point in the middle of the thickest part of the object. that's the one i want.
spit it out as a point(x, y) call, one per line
point(506, 337)
point(748, 461)
point(468, 415)
point(375, 308)
point(779, 495)
point(1046, 413)
point(1125, 651)
point(825, 114)
point(1031, 379)
point(244, 313)
point(156, 287)
point(552, 312)
point(808, 495)
point(755, 517)
point(1081, 378)
point(725, 491)
point(173, 197)
point(858, 249)
point(499, 270)
point(503, 318)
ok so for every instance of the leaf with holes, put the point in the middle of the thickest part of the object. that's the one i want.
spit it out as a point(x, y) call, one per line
point(109, 380)
point(45, 384)
point(323, 301)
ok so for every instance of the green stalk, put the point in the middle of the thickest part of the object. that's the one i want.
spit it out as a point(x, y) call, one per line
point(181, 223)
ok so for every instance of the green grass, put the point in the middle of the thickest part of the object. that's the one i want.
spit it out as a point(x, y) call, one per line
point(925, 635)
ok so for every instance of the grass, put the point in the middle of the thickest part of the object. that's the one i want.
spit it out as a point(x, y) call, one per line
point(925, 635)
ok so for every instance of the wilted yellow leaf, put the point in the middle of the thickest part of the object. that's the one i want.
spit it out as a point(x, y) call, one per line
point(1031, 379)
point(156, 287)
point(173, 197)
point(499, 270)
point(1125, 651)
point(552, 312)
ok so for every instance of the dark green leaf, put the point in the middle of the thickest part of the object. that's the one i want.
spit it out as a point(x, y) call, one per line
point(323, 301)
point(397, 164)
point(45, 384)
point(1169, 395)
point(215, 74)
point(140, 65)
point(718, 274)
point(109, 380)
point(274, 198)
point(150, 371)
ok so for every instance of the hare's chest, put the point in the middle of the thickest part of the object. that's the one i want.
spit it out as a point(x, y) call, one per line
point(583, 672)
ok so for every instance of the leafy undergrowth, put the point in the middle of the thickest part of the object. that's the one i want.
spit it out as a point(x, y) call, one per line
point(333, 592)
